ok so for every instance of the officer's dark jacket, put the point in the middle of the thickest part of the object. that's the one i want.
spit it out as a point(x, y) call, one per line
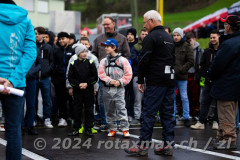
point(157, 59)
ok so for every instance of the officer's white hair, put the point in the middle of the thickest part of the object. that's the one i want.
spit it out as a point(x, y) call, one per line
point(152, 14)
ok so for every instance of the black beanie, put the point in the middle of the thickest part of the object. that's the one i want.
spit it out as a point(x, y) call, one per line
point(63, 34)
point(7, 1)
point(133, 31)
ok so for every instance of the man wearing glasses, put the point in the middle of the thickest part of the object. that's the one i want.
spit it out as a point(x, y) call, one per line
point(156, 71)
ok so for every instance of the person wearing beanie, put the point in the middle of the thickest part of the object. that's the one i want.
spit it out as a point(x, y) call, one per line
point(131, 37)
point(91, 58)
point(129, 93)
point(82, 76)
point(179, 31)
point(72, 39)
point(183, 62)
point(62, 56)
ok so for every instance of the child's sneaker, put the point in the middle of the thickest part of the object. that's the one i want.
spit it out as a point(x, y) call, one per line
point(112, 133)
point(81, 130)
point(2, 128)
point(126, 134)
point(94, 131)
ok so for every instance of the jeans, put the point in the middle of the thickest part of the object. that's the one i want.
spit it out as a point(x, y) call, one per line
point(205, 101)
point(45, 86)
point(30, 95)
point(101, 105)
point(182, 87)
point(158, 99)
point(13, 111)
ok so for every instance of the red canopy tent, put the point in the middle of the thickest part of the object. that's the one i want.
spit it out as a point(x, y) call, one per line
point(207, 19)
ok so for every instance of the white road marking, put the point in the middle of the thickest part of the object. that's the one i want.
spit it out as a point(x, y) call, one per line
point(25, 152)
point(193, 149)
point(236, 152)
point(159, 127)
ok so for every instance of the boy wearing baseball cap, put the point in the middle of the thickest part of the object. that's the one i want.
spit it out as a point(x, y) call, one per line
point(115, 72)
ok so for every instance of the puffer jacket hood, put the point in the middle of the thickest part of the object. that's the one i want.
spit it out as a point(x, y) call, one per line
point(15, 16)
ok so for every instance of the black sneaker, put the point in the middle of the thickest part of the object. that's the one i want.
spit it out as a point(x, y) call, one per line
point(164, 151)
point(137, 150)
point(74, 132)
point(88, 132)
point(187, 123)
point(32, 131)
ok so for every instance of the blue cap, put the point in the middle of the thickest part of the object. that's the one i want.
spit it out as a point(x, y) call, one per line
point(110, 42)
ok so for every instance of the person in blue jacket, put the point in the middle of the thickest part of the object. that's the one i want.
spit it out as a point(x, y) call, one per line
point(18, 52)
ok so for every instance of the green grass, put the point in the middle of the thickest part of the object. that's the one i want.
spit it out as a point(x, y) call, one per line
point(197, 14)
point(203, 42)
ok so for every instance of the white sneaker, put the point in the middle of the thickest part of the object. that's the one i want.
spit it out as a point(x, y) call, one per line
point(48, 123)
point(62, 123)
point(198, 125)
point(215, 125)
point(2, 128)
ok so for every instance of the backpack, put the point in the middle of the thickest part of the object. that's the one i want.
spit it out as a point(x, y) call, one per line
point(111, 63)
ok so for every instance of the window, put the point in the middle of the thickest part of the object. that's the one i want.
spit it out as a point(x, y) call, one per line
point(28, 5)
point(43, 6)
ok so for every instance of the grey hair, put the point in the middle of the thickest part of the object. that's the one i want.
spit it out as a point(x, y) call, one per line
point(152, 14)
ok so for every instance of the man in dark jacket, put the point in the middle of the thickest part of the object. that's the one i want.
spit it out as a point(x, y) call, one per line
point(61, 59)
point(43, 82)
point(184, 61)
point(205, 99)
point(156, 67)
point(225, 74)
point(30, 95)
